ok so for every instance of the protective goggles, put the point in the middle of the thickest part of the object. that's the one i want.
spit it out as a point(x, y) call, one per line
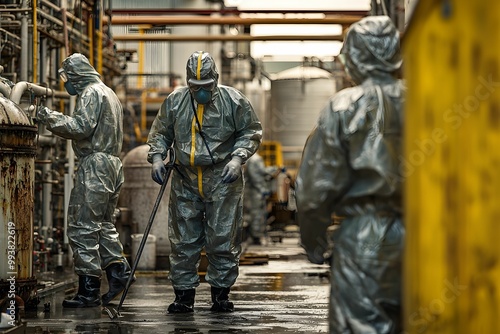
point(63, 75)
point(209, 86)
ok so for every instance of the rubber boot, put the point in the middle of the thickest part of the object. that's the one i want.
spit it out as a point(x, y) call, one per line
point(220, 299)
point(117, 274)
point(184, 301)
point(256, 241)
point(88, 293)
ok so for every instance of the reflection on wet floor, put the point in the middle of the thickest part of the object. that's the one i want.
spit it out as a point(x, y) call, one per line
point(287, 295)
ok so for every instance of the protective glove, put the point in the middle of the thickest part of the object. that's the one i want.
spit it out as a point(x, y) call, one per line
point(158, 169)
point(41, 114)
point(232, 170)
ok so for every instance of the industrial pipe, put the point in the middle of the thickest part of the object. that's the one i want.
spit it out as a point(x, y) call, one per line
point(61, 24)
point(4, 89)
point(232, 20)
point(24, 43)
point(234, 11)
point(243, 37)
point(35, 41)
point(72, 17)
point(22, 86)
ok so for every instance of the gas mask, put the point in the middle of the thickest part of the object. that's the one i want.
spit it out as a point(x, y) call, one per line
point(70, 88)
point(202, 96)
point(67, 84)
point(202, 75)
point(202, 93)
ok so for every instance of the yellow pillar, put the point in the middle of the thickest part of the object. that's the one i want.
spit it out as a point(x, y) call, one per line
point(99, 38)
point(451, 166)
point(90, 33)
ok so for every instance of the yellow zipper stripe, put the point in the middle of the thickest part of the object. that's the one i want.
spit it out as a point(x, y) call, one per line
point(200, 181)
point(199, 113)
point(198, 68)
point(193, 142)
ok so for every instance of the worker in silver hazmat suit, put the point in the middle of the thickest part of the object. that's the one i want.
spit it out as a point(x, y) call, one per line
point(350, 167)
point(255, 195)
point(95, 129)
point(213, 130)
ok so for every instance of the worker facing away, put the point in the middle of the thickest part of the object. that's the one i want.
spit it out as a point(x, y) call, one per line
point(213, 130)
point(95, 129)
point(350, 167)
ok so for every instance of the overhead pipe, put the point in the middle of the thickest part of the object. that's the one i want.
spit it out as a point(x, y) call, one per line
point(231, 20)
point(226, 38)
point(15, 10)
point(235, 11)
point(11, 35)
point(9, 20)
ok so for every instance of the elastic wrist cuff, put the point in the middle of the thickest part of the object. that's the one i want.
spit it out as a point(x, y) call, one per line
point(237, 158)
point(157, 157)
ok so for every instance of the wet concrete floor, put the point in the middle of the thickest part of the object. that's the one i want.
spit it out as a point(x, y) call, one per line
point(286, 295)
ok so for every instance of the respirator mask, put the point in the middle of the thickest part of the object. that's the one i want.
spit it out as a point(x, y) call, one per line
point(202, 93)
point(67, 84)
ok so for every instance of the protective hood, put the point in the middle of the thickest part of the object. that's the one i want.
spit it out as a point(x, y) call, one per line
point(371, 47)
point(80, 72)
point(201, 69)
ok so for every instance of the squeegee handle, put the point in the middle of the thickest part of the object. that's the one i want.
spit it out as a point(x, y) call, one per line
point(169, 166)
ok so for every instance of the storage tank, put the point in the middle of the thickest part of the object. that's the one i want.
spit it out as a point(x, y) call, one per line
point(17, 166)
point(258, 98)
point(138, 195)
point(297, 97)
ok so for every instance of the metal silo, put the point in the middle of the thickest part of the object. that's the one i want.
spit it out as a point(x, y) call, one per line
point(17, 166)
point(297, 97)
point(139, 194)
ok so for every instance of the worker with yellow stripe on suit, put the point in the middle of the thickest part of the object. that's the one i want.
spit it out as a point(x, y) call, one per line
point(213, 130)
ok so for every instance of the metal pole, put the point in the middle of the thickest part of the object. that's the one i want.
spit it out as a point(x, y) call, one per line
point(24, 44)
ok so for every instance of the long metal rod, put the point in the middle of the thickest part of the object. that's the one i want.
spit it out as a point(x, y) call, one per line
point(223, 20)
point(243, 37)
point(169, 166)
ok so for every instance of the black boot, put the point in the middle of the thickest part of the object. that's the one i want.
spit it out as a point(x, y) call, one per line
point(220, 298)
point(184, 301)
point(117, 274)
point(88, 293)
